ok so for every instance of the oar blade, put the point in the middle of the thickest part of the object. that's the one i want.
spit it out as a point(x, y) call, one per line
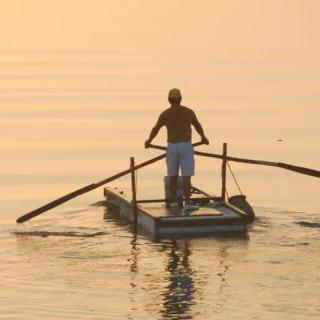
point(55, 203)
point(303, 170)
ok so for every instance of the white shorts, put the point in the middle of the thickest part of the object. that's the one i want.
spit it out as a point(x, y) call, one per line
point(180, 154)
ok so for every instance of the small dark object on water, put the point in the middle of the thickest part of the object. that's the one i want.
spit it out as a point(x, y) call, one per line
point(309, 224)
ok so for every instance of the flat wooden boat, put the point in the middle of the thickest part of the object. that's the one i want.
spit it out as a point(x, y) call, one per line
point(154, 219)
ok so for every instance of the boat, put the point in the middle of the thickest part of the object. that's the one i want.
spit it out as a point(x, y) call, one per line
point(154, 219)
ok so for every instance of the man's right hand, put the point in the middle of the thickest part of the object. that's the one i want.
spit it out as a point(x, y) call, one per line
point(147, 144)
point(204, 140)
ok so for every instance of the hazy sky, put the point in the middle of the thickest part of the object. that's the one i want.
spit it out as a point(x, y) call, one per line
point(236, 28)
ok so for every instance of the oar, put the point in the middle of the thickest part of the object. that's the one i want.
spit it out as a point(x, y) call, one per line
point(88, 188)
point(83, 190)
point(303, 170)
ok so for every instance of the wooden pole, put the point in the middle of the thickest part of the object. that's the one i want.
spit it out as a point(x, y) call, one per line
point(303, 170)
point(224, 172)
point(134, 193)
point(76, 193)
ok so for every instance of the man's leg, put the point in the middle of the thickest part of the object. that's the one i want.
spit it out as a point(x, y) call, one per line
point(187, 168)
point(187, 191)
point(173, 188)
point(187, 188)
point(173, 170)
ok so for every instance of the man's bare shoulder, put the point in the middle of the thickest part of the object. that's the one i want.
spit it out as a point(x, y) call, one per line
point(186, 109)
point(165, 112)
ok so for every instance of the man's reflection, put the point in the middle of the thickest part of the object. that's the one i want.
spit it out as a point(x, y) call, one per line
point(178, 296)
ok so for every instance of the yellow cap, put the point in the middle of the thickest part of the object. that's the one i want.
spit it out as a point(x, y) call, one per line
point(174, 93)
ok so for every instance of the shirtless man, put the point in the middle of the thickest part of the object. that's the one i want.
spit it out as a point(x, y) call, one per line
point(178, 120)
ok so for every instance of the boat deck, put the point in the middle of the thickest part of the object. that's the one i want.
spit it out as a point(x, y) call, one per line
point(158, 221)
point(162, 211)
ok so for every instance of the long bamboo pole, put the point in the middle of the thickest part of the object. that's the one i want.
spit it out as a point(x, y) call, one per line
point(303, 170)
point(83, 190)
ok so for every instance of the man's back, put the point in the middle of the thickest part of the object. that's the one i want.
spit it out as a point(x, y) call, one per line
point(178, 120)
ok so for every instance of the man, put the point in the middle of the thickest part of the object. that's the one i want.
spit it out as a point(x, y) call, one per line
point(178, 120)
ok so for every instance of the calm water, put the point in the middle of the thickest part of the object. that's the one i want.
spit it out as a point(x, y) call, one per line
point(79, 92)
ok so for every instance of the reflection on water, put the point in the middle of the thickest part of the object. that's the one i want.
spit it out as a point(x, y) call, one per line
point(183, 286)
point(178, 296)
point(125, 274)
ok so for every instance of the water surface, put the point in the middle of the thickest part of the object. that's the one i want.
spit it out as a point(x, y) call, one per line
point(80, 88)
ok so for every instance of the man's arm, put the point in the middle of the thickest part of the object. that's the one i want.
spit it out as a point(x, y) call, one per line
point(154, 131)
point(199, 129)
